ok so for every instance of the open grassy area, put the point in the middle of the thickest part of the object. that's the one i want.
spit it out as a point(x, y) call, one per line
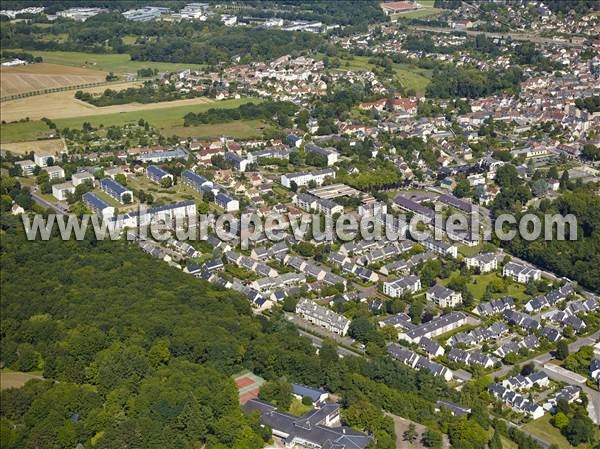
point(411, 76)
point(117, 63)
point(542, 428)
point(23, 131)
point(168, 120)
point(297, 408)
point(176, 193)
point(508, 444)
point(479, 282)
point(242, 129)
point(16, 379)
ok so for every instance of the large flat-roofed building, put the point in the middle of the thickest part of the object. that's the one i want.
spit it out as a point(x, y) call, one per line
point(81, 177)
point(396, 7)
point(303, 178)
point(60, 191)
point(27, 167)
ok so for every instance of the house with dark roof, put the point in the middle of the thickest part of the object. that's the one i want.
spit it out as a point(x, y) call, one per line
point(319, 428)
point(398, 287)
point(316, 395)
point(454, 409)
point(443, 297)
point(521, 273)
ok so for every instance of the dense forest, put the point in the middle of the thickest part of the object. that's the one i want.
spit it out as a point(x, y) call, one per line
point(207, 42)
point(578, 260)
point(449, 82)
point(144, 353)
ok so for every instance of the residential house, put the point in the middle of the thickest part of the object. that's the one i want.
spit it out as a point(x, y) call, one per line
point(97, 204)
point(484, 262)
point(521, 273)
point(443, 297)
point(398, 287)
point(81, 177)
point(322, 316)
point(54, 172)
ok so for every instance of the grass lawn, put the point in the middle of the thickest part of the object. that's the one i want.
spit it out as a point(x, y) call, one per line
point(508, 444)
point(23, 131)
point(542, 428)
point(479, 282)
point(297, 408)
point(117, 63)
point(411, 77)
point(176, 193)
point(109, 199)
point(240, 129)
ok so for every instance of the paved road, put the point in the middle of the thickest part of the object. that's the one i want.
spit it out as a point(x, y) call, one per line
point(317, 342)
point(47, 204)
point(512, 35)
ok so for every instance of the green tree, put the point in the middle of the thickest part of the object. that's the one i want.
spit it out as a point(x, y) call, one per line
point(562, 350)
point(410, 434)
point(432, 439)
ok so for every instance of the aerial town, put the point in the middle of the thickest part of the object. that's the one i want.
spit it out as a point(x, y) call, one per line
point(369, 110)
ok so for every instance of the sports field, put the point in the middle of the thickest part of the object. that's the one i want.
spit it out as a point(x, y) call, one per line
point(116, 63)
point(248, 385)
point(34, 77)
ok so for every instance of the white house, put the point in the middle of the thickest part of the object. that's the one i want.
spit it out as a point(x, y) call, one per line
point(398, 287)
point(521, 273)
point(484, 262)
point(443, 297)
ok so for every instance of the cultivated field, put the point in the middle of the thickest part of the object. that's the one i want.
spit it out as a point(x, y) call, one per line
point(117, 63)
point(166, 116)
point(34, 77)
point(51, 146)
point(60, 105)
